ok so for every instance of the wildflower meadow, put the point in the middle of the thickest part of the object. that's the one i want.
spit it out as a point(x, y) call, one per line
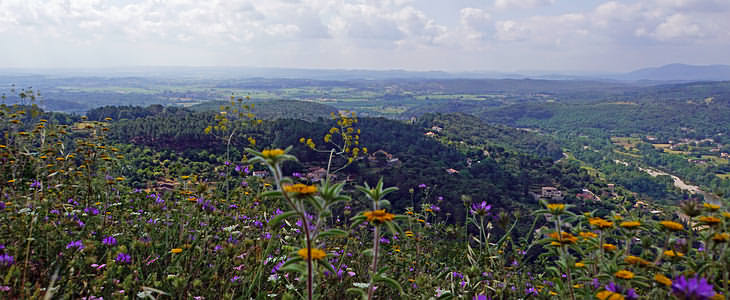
point(73, 228)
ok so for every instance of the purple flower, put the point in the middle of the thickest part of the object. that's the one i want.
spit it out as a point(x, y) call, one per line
point(123, 258)
point(91, 210)
point(435, 208)
point(481, 208)
point(531, 291)
point(693, 288)
point(422, 186)
point(296, 174)
point(6, 260)
point(75, 244)
point(596, 283)
point(35, 184)
point(627, 293)
point(480, 297)
point(109, 241)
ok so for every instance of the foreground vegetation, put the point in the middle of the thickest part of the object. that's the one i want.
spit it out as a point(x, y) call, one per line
point(73, 226)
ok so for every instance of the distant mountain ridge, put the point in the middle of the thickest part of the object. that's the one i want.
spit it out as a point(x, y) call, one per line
point(680, 72)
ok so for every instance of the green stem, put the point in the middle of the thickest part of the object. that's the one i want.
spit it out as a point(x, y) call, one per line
point(376, 248)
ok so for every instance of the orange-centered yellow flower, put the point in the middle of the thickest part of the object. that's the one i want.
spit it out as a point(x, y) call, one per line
point(272, 153)
point(609, 295)
point(710, 220)
point(586, 235)
point(624, 274)
point(600, 223)
point(564, 238)
point(300, 189)
point(672, 226)
point(609, 247)
point(635, 260)
point(317, 254)
point(660, 278)
point(721, 237)
point(556, 207)
point(672, 253)
point(378, 216)
point(710, 206)
point(630, 224)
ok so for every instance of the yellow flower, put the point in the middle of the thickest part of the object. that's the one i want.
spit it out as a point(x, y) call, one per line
point(624, 274)
point(272, 153)
point(421, 220)
point(630, 224)
point(379, 216)
point(609, 247)
point(317, 254)
point(409, 213)
point(726, 214)
point(600, 223)
point(409, 233)
point(11, 180)
point(710, 206)
point(635, 260)
point(721, 237)
point(556, 207)
point(586, 235)
point(580, 265)
point(672, 253)
point(660, 278)
point(672, 226)
point(120, 178)
point(609, 295)
point(564, 238)
point(300, 189)
point(176, 250)
point(710, 220)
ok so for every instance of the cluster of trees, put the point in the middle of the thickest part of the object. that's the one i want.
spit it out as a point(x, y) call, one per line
point(502, 176)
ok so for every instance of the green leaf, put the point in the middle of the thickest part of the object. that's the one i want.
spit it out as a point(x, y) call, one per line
point(333, 233)
point(390, 282)
point(359, 291)
point(327, 266)
point(275, 221)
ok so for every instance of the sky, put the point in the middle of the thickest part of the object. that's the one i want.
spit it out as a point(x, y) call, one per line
point(448, 35)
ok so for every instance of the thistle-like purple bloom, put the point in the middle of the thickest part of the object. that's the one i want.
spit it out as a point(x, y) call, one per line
point(692, 289)
point(123, 258)
point(109, 241)
point(481, 208)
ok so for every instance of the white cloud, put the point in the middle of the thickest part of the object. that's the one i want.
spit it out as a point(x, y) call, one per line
point(504, 4)
point(477, 23)
point(338, 32)
point(677, 26)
